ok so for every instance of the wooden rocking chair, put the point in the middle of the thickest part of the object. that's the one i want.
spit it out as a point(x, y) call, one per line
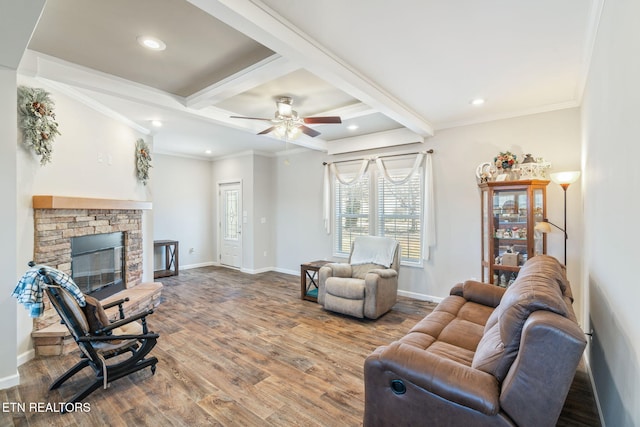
point(108, 343)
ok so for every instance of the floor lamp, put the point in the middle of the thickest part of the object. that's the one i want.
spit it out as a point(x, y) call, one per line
point(564, 179)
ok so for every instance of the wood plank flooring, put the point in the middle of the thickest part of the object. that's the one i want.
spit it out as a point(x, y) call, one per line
point(241, 350)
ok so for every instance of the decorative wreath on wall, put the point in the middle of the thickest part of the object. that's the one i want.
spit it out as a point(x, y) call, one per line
point(143, 160)
point(37, 121)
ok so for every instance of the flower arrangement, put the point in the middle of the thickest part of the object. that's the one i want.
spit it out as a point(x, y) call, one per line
point(37, 121)
point(143, 160)
point(505, 160)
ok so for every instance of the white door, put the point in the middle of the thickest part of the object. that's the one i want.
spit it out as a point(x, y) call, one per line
point(230, 196)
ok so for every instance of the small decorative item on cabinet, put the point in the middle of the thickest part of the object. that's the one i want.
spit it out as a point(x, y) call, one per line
point(531, 168)
point(506, 162)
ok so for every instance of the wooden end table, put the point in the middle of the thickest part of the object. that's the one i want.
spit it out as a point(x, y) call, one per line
point(170, 258)
point(309, 279)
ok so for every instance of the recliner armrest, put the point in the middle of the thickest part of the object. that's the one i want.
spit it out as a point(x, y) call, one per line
point(384, 273)
point(338, 269)
point(443, 377)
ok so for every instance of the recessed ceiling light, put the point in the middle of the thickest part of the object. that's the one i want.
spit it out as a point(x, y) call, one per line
point(152, 43)
point(156, 123)
point(352, 127)
point(477, 101)
point(207, 152)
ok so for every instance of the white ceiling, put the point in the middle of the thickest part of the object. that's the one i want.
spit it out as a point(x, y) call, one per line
point(378, 64)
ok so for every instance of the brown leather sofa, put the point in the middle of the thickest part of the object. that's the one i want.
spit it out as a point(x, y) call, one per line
point(483, 357)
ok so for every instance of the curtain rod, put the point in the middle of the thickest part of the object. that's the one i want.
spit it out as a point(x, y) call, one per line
point(381, 157)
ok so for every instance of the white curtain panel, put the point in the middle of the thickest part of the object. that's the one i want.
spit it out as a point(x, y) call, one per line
point(429, 228)
point(383, 170)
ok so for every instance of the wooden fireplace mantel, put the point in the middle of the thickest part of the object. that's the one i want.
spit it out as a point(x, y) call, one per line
point(64, 202)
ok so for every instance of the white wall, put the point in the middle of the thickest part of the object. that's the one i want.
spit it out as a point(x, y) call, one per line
point(264, 250)
point(183, 208)
point(611, 186)
point(299, 232)
point(8, 217)
point(555, 136)
point(75, 170)
point(18, 21)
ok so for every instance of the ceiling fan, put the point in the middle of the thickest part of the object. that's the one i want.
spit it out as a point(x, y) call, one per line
point(287, 122)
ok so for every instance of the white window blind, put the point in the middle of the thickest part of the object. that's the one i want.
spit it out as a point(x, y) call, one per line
point(351, 213)
point(399, 209)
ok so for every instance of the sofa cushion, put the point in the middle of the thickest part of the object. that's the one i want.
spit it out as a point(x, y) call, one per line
point(95, 314)
point(532, 291)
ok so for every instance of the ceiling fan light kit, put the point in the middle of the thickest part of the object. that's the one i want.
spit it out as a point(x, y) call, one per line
point(287, 124)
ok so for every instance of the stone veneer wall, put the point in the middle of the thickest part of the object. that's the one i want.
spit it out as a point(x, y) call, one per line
point(54, 229)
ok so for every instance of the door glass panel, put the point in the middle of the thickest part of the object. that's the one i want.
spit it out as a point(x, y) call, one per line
point(231, 202)
point(510, 221)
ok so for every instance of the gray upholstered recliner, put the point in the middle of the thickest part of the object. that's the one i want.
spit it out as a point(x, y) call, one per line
point(366, 286)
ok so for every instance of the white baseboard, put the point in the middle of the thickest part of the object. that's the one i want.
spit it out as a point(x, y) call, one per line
point(286, 271)
point(201, 264)
point(256, 270)
point(420, 297)
point(10, 381)
point(26, 356)
point(593, 387)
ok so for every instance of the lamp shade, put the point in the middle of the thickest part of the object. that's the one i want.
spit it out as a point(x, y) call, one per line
point(543, 227)
point(565, 177)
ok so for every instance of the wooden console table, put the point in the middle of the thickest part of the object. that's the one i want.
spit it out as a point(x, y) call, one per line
point(170, 258)
point(309, 279)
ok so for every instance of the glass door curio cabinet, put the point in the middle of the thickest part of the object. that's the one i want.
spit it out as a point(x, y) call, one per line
point(510, 211)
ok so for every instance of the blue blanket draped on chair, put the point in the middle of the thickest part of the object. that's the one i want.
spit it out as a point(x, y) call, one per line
point(30, 288)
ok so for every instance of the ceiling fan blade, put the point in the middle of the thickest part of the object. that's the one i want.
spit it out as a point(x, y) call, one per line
point(267, 130)
point(251, 118)
point(308, 131)
point(319, 120)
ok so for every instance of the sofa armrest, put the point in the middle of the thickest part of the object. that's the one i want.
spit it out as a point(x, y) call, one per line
point(445, 378)
point(482, 293)
point(456, 290)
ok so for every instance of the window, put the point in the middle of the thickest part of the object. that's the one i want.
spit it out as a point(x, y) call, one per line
point(374, 206)
point(351, 213)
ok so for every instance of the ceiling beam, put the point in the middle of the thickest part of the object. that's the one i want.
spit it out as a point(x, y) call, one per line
point(246, 79)
point(347, 112)
point(263, 24)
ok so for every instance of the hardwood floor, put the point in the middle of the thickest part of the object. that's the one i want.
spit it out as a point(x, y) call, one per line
point(241, 350)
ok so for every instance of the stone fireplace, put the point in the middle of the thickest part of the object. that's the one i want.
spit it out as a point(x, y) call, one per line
point(57, 220)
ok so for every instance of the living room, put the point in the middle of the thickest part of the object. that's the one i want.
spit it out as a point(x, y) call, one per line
point(282, 197)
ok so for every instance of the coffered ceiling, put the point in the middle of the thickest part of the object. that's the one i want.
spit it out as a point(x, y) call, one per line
point(379, 65)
